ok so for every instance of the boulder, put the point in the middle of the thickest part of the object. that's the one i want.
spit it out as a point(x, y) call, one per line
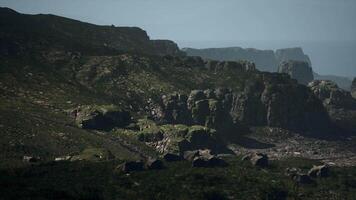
point(319, 171)
point(191, 155)
point(205, 153)
point(170, 157)
point(153, 163)
point(131, 166)
point(174, 109)
point(259, 159)
point(299, 70)
point(31, 159)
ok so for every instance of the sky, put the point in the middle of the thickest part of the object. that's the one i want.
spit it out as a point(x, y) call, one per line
point(216, 23)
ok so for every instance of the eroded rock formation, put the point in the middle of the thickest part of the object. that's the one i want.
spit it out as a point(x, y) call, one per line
point(269, 100)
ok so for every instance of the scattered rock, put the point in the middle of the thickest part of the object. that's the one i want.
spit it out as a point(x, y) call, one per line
point(321, 171)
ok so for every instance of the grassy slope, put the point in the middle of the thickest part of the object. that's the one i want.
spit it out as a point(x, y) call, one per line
point(100, 180)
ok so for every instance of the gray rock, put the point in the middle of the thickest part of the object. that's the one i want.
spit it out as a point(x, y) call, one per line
point(319, 171)
point(339, 103)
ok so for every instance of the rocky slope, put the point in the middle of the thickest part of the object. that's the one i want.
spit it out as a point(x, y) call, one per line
point(299, 70)
point(40, 32)
point(75, 110)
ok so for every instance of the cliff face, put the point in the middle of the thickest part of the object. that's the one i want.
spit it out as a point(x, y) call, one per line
point(264, 59)
point(298, 70)
point(292, 54)
point(267, 100)
point(338, 102)
point(20, 33)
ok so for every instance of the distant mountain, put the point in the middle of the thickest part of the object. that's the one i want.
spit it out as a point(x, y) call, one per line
point(264, 59)
point(20, 33)
point(342, 82)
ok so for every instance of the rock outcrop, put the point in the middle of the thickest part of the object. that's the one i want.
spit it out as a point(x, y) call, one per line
point(104, 117)
point(268, 100)
point(166, 47)
point(353, 88)
point(339, 103)
point(299, 70)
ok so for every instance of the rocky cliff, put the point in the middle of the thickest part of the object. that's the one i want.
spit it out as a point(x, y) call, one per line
point(299, 70)
point(20, 33)
point(339, 103)
point(267, 100)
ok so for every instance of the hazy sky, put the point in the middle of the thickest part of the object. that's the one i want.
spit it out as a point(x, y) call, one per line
point(189, 21)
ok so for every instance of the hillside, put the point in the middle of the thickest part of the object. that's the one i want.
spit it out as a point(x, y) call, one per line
point(101, 112)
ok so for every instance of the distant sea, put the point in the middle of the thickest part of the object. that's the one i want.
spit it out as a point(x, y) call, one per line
point(328, 57)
